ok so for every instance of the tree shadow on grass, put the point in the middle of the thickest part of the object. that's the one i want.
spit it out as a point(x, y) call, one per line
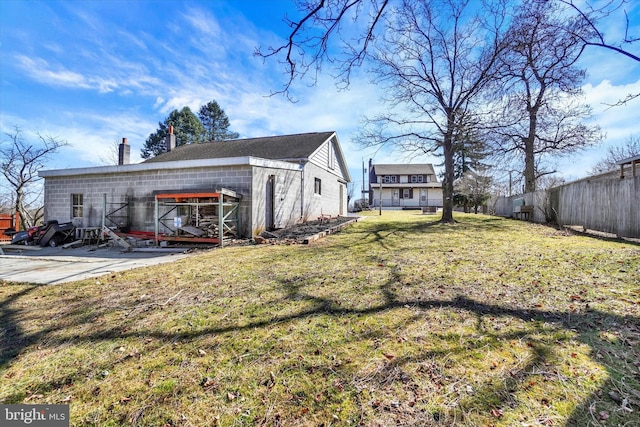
point(12, 338)
point(584, 325)
point(373, 230)
point(501, 394)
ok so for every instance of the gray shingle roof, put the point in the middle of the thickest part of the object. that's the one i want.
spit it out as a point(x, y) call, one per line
point(283, 147)
point(408, 169)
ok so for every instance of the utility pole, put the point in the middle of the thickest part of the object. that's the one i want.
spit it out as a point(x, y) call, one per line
point(362, 192)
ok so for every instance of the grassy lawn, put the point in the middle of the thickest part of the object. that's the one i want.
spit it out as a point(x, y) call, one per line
point(397, 320)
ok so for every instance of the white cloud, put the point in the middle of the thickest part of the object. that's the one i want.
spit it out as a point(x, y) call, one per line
point(617, 122)
point(90, 135)
point(42, 71)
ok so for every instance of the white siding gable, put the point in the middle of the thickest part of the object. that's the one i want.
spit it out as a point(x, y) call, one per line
point(326, 157)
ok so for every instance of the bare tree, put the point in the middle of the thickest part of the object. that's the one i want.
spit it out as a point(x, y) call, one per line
point(351, 191)
point(6, 200)
point(434, 61)
point(541, 109)
point(112, 154)
point(21, 161)
point(630, 148)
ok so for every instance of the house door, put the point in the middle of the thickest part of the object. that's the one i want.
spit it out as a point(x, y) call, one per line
point(341, 212)
point(423, 197)
point(269, 202)
point(395, 198)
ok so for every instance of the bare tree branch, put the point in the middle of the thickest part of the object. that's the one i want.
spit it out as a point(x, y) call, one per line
point(591, 17)
point(20, 161)
point(325, 17)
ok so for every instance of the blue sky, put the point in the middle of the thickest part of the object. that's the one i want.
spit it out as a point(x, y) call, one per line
point(93, 72)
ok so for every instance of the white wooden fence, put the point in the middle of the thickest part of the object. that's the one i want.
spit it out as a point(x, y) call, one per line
point(604, 203)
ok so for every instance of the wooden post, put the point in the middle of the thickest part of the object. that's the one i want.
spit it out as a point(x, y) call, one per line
point(156, 218)
point(380, 195)
point(221, 218)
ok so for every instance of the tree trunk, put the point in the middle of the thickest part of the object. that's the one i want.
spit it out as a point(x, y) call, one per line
point(529, 155)
point(447, 182)
point(19, 208)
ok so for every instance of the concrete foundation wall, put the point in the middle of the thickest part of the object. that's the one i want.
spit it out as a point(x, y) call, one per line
point(138, 188)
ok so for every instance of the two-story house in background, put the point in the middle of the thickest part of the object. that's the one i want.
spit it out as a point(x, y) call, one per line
point(404, 186)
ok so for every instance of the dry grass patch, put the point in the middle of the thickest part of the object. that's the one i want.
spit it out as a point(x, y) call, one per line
point(397, 320)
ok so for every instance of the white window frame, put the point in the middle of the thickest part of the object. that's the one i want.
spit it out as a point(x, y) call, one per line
point(77, 205)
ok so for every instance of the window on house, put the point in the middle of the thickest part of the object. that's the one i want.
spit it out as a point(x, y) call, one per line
point(390, 179)
point(77, 205)
point(420, 177)
point(317, 186)
point(406, 194)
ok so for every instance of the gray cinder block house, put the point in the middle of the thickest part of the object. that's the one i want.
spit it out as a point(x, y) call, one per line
point(280, 180)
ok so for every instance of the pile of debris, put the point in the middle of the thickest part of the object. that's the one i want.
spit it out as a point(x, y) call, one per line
point(305, 232)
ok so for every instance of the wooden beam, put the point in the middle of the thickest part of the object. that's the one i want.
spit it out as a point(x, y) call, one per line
point(186, 195)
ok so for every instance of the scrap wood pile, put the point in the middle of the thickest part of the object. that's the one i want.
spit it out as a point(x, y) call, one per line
point(204, 222)
point(304, 232)
point(201, 222)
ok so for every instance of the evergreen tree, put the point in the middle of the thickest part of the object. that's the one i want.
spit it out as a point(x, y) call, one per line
point(472, 190)
point(186, 127)
point(470, 150)
point(216, 123)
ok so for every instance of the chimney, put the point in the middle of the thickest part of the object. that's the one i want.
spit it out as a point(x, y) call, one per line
point(170, 140)
point(124, 153)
